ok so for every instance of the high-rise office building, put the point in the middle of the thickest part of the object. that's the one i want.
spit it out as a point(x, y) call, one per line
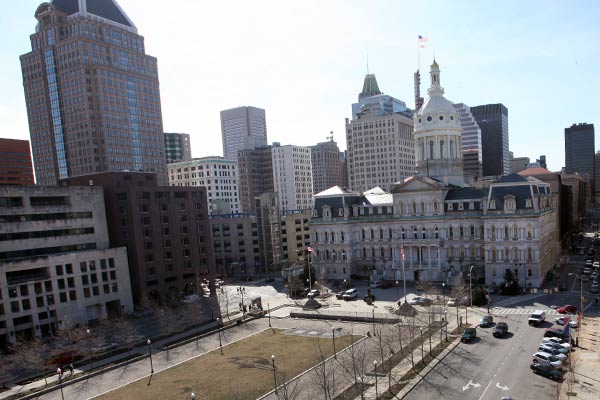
point(218, 175)
point(255, 168)
point(243, 128)
point(379, 139)
point(493, 121)
point(579, 149)
point(92, 94)
point(292, 176)
point(177, 147)
point(327, 166)
point(518, 164)
point(471, 142)
point(15, 162)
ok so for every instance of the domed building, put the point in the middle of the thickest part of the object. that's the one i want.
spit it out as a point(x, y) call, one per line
point(438, 136)
point(433, 228)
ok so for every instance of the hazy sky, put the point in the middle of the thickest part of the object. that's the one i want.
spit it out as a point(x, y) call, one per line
point(304, 63)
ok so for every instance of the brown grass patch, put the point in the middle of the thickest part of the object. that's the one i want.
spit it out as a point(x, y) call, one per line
point(244, 371)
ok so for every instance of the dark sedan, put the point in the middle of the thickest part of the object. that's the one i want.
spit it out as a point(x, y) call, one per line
point(468, 335)
point(546, 370)
point(500, 329)
point(486, 320)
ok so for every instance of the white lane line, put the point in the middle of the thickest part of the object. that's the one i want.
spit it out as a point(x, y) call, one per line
point(486, 388)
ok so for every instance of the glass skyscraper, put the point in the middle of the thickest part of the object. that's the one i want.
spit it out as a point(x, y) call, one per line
point(92, 94)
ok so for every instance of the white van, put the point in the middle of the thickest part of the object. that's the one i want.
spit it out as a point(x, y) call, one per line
point(537, 317)
point(350, 294)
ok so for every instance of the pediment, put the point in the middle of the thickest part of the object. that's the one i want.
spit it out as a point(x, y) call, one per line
point(417, 184)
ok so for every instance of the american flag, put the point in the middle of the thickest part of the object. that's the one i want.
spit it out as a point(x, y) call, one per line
point(423, 39)
point(402, 251)
point(310, 249)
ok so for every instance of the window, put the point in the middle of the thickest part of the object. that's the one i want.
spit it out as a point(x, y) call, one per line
point(111, 262)
point(63, 297)
point(83, 266)
point(59, 269)
point(69, 268)
point(72, 295)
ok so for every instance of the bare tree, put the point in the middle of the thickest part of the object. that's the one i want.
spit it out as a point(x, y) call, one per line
point(285, 390)
point(324, 373)
point(354, 360)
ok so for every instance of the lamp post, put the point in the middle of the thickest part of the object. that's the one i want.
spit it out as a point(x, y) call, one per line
point(457, 319)
point(59, 373)
point(471, 284)
point(90, 339)
point(219, 332)
point(373, 313)
point(443, 289)
point(376, 389)
point(446, 325)
point(333, 336)
point(193, 396)
point(241, 291)
point(422, 352)
point(269, 311)
point(274, 374)
point(149, 342)
point(397, 294)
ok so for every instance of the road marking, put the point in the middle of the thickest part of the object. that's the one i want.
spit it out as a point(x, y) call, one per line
point(486, 388)
point(501, 387)
point(471, 384)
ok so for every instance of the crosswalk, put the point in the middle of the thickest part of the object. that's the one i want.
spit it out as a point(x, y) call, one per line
point(514, 311)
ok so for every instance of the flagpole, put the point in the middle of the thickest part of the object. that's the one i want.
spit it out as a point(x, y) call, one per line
point(403, 272)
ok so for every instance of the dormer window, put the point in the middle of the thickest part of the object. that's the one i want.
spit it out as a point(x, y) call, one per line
point(450, 206)
point(528, 203)
point(492, 204)
point(315, 213)
point(461, 206)
point(341, 212)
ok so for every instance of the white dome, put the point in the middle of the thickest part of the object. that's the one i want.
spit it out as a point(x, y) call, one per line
point(437, 105)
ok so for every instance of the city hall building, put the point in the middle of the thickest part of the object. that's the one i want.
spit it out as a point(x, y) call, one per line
point(435, 225)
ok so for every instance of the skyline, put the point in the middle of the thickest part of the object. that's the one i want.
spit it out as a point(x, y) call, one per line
point(540, 65)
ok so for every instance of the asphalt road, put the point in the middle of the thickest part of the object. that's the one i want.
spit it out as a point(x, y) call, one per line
point(489, 368)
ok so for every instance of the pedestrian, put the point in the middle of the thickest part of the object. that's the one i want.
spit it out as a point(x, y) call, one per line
point(71, 369)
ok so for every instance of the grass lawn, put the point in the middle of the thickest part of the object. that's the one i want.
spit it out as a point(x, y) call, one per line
point(244, 371)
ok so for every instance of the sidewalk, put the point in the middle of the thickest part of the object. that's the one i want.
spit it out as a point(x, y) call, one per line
point(584, 381)
point(400, 370)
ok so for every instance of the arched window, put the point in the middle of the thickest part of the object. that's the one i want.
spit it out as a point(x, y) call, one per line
point(529, 254)
point(332, 237)
point(342, 236)
point(441, 149)
point(451, 149)
point(431, 150)
point(506, 233)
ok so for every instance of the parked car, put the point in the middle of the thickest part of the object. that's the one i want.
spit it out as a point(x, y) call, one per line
point(557, 340)
point(452, 303)
point(550, 350)
point(313, 293)
point(419, 301)
point(567, 309)
point(558, 333)
point(500, 329)
point(350, 294)
point(563, 320)
point(586, 271)
point(375, 284)
point(104, 347)
point(546, 370)
point(555, 346)
point(340, 295)
point(547, 358)
point(594, 287)
point(63, 358)
point(486, 320)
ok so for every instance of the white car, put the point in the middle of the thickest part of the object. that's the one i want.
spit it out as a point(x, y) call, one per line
point(551, 350)
point(452, 303)
point(555, 346)
point(543, 357)
point(375, 284)
point(559, 341)
point(419, 301)
point(561, 321)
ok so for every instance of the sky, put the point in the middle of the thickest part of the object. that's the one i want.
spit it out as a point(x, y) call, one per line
point(304, 63)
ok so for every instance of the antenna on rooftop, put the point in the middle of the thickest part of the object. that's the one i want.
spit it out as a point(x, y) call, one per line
point(330, 137)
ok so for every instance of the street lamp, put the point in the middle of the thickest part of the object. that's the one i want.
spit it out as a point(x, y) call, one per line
point(59, 373)
point(90, 340)
point(193, 396)
point(274, 374)
point(333, 336)
point(443, 289)
point(219, 332)
point(446, 326)
point(373, 313)
point(376, 389)
point(422, 352)
point(397, 294)
point(241, 291)
point(150, 352)
point(471, 284)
